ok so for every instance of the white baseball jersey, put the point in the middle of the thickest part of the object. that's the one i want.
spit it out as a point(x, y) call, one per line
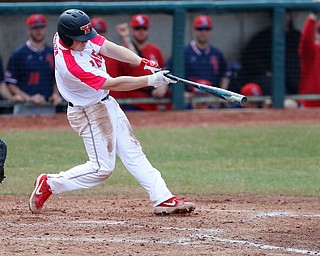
point(80, 75)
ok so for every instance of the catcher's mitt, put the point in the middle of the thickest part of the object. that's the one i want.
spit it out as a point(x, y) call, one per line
point(3, 155)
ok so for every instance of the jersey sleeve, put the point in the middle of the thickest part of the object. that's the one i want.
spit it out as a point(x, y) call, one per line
point(97, 42)
point(10, 73)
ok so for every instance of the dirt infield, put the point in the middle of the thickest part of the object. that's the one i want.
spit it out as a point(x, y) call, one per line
point(175, 119)
point(125, 225)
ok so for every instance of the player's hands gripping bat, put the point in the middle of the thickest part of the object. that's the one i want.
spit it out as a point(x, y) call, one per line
point(160, 79)
point(3, 155)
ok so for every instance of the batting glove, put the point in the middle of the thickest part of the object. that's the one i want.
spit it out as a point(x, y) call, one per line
point(150, 66)
point(159, 79)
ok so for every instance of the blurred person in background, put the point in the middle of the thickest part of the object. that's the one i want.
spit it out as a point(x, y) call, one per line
point(30, 71)
point(309, 50)
point(203, 61)
point(256, 59)
point(135, 37)
point(255, 90)
point(5, 93)
point(250, 90)
point(100, 26)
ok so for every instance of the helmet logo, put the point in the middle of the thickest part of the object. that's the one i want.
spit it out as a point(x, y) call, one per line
point(140, 20)
point(86, 28)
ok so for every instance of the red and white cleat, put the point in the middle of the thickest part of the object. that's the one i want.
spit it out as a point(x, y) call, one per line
point(40, 194)
point(174, 205)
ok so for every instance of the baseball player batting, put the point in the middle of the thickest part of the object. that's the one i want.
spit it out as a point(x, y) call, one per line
point(83, 81)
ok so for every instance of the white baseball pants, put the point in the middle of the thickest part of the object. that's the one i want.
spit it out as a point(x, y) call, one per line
point(106, 131)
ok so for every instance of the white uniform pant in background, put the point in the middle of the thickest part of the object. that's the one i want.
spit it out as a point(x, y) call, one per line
point(106, 131)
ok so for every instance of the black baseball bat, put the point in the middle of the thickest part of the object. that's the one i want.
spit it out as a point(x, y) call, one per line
point(218, 92)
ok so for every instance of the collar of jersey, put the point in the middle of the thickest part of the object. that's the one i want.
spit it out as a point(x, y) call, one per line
point(197, 50)
point(28, 43)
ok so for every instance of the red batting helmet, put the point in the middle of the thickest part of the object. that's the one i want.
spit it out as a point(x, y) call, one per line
point(139, 20)
point(99, 25)
point(36, 21)
point(202, 21)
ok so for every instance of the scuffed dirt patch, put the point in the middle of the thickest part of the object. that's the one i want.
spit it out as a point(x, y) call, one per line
point(126, 225)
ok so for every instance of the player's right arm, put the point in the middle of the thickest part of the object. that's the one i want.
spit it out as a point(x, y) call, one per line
point(128, 83)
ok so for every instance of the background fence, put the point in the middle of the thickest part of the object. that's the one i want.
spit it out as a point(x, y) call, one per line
point(235, 22)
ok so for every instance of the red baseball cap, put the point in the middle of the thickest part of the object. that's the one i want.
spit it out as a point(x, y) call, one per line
point(36, 21)
point(203, 81)
point(99, 25)
point(251, 89)
point(139, 20)
point(202, 21)
point(199, 92)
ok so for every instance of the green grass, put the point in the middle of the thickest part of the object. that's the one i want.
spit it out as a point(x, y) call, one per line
point(197, 160)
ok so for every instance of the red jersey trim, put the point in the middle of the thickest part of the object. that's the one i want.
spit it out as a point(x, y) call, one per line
point(88, 78)
point(98, 40)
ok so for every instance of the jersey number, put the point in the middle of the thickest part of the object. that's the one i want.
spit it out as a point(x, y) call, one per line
point(34, 78)
point(96, 59)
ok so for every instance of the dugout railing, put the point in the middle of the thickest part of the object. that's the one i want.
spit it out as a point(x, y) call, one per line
point(179, 11)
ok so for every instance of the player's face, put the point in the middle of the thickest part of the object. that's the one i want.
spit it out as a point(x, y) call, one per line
point(202, 35)
point(140, 34)
point(78, 46)
point(37, 34)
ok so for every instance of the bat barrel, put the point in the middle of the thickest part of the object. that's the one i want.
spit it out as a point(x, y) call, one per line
point(218, 92)
point(238, 98)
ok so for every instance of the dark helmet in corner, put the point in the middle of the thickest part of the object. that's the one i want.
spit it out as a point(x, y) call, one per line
point(74, 24)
